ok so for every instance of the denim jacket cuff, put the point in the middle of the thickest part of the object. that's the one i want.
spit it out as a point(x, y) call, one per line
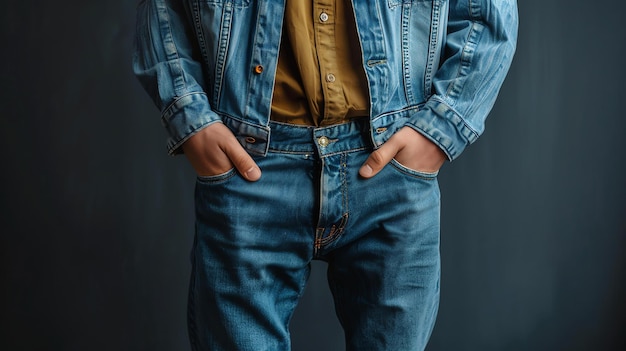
point(185, 117)
point(440, 123)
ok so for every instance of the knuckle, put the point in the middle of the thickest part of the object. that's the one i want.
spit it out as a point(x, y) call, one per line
point(378, 158)
point(239, 157)
point(242, 161)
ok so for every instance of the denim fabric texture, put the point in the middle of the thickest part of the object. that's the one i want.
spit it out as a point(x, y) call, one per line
point(438, 64)
point(255, 241)
point(433, 65)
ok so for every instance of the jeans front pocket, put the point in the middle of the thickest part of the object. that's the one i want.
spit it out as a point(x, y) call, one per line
point(412, 172)
point(218, 178)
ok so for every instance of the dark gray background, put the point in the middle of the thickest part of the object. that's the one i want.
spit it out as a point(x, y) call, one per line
point(97, 220)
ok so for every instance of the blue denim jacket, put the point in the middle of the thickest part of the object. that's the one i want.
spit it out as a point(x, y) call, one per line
point(433, 65)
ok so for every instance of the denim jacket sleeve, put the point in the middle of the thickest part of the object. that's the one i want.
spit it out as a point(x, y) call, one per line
point(479, 47)
point(167, 62)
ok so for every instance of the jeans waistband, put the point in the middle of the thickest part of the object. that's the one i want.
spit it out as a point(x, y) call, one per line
point(324, 141)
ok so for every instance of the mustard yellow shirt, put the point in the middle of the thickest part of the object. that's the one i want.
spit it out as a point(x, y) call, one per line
point(320, 79)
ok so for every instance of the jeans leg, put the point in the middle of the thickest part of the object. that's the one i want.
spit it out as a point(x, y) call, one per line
point(251, 255)
point(384, 270)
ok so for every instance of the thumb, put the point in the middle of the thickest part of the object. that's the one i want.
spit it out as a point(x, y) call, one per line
point(242, 161)
point(378, 159)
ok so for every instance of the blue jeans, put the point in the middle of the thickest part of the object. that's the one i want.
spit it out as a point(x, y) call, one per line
point(255, 241)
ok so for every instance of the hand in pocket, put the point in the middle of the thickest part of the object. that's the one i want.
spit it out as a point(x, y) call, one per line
point(408, 147)
point(215, 150)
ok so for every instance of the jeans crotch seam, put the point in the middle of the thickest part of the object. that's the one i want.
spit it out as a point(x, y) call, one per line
point(333, 233)
point(336, 229)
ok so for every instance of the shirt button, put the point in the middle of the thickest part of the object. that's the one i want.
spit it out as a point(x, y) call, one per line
point(330, 78)
point(323, 17)
point(323, 141)
point(258, 69)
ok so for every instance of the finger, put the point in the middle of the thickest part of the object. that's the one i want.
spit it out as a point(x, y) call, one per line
point(205, 154)
point(242, 160)
point(378, 159)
